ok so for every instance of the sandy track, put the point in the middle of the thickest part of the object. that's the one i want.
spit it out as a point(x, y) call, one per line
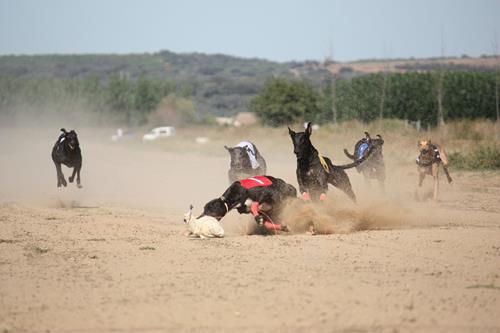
point(111, 257)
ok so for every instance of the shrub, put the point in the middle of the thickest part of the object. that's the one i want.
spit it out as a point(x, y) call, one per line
point(484, 158)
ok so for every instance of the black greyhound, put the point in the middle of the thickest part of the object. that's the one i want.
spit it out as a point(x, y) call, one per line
point(67, 151)
point(315, 172)
point(262, 196)
point(241, 165)
point(373, 167)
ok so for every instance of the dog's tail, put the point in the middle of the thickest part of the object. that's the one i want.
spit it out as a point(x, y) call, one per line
point(351, 156)
point(356, 162)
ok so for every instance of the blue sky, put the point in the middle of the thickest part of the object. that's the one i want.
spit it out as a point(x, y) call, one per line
point(277, 30)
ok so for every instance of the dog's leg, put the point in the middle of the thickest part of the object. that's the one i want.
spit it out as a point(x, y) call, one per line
point(448, 177)
point(381, 184)
point(435, 176)
point(255, 209)
point(72, 177)
point(340, 180)
point(368, 182)
point(421, 176)
point(78, 183)
point(60, 176)
point(303, 190)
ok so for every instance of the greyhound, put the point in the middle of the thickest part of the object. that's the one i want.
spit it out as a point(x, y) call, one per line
point(373, 167)
point(315, 172)
point(246, 161)
point(67, 151)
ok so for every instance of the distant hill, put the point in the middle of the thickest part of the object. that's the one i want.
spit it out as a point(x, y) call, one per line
point(219, 84)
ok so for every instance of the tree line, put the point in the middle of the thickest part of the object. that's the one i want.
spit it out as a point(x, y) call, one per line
point(280, 100)
point(410, 96)
point(117, 99)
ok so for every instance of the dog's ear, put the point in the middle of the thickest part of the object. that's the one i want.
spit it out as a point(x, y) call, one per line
point(429, 141)
point(64, 131)
point(227, 148)
point(309, 129)
point(367, 135)
point(290, 131)
point(419, 143)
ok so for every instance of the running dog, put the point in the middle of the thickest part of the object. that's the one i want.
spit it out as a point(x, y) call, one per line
point(428, 161)
point(315, 172)
point(246, 161)
point(262, 196)
point(67, 151)
point(373, 167)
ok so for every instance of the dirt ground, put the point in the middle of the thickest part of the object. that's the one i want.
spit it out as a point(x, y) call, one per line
point(111, 257)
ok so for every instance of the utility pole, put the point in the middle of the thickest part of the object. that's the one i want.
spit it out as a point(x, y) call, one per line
point(329, 60)
point(440, 116)
point(494, 46)
point(385, 74)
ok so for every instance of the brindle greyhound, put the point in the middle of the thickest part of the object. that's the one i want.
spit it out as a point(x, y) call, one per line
point(428, 161)
point(242, 165)
point(315, 172)
point(373, 167)
point(67, 151)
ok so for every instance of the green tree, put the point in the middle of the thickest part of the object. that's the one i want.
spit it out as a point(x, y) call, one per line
point(119, 98)
point(147, 96)
point(283, 102)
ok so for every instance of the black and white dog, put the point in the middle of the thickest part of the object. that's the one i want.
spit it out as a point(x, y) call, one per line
point(373, 167)
point(67, 151)
point(262, 196)
point(246, 161)
point(315, 172)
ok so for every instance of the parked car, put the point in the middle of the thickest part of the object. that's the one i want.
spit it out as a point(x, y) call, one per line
point(159, 133)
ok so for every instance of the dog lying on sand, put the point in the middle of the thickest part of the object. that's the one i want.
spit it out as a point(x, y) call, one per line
point(262, 196)
point(203, 227)
point(428, 161)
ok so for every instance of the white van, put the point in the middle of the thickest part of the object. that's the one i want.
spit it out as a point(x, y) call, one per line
point(158, 133)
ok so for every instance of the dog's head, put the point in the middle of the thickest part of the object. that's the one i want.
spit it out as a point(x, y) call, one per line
point(189, 215)
point(424, 146)
point(375, 144)
point(239, 157)
point(301, 141)
point(290, 191)
point(216, 208)
point(70, 139)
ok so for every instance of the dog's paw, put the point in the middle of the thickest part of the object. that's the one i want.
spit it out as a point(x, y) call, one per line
point(64, 183)
point(79, 185)
point(70, 179)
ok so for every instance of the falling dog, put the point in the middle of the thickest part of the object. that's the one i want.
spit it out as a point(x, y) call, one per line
point(262, 196)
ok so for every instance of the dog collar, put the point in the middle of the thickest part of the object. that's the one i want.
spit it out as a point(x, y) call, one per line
point(225, 204)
